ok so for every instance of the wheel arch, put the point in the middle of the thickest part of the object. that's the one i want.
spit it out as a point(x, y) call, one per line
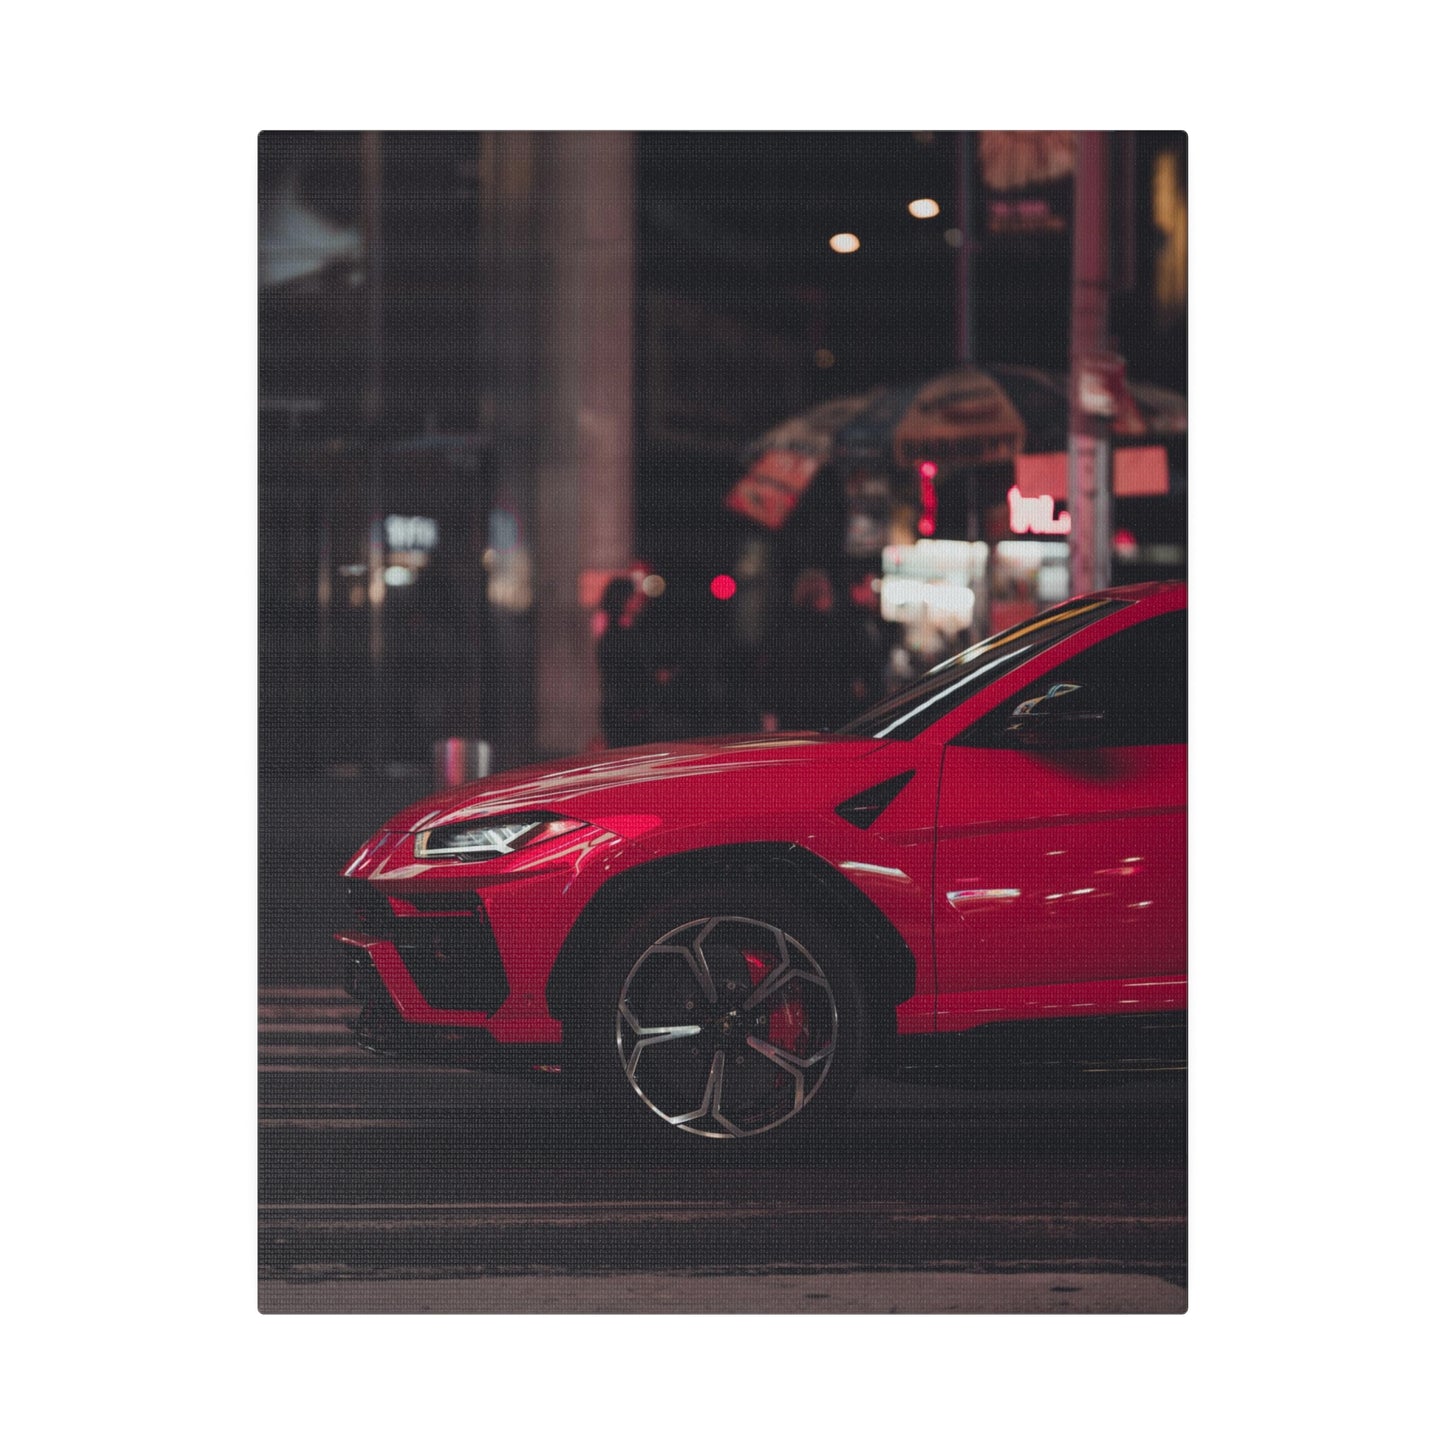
point(887, 972)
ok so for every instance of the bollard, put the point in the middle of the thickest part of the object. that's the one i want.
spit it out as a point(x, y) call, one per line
point(459, 760)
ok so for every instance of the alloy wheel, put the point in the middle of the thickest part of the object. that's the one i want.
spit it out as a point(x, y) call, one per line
point(726, 1027)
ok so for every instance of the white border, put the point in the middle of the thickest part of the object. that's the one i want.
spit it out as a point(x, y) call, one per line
point(132, 487)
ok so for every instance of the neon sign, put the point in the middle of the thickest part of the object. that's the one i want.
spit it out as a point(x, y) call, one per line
point(928, 498)
point(1036, 515)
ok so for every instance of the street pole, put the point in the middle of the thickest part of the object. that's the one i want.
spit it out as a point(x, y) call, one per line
point(1089, 499)
point(964, 330)
point(965, 346)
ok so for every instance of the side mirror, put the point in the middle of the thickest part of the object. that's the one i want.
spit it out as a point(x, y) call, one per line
point(1063, 717)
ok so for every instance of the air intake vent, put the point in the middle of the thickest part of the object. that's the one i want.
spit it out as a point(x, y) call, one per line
point(862, 809)
point(369, 904)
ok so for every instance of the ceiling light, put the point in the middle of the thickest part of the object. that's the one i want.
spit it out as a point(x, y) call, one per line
point(923, 209)
point(844, 242)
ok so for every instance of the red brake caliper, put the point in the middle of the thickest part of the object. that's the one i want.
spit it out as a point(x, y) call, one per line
point(787, 1018)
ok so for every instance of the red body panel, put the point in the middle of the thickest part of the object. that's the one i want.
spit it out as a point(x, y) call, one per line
point(1045, 884)
point(1056, 869)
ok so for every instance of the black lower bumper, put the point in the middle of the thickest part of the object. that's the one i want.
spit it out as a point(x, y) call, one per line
point(380, 1029)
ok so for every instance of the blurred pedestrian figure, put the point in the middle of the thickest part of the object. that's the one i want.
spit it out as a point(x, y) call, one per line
point(669, 646)
point(818, 669)
point(699, 683)
point(623, 667)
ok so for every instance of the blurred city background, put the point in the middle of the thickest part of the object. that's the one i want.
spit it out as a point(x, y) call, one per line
point(577, 439)
point(829, 404)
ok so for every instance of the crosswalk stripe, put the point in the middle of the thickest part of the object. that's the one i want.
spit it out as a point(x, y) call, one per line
point(291, 1027)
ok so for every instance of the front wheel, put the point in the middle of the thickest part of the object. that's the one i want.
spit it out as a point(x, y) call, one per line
point(729, 1018)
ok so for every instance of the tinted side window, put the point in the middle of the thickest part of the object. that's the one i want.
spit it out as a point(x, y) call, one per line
point(1138, 677)
point(907, 713)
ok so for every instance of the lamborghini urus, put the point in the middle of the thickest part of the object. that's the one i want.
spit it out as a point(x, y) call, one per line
point(722, 937)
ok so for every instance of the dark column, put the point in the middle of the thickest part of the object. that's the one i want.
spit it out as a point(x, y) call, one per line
point(511, 543)
point(377, 730)
point(965, 345)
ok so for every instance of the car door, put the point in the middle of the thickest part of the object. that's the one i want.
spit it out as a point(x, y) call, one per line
point(1063, 862)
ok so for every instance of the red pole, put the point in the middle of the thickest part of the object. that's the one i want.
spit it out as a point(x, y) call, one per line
point(1088, 339)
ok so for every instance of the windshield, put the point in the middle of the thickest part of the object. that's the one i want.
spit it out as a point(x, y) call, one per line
point(905, 714)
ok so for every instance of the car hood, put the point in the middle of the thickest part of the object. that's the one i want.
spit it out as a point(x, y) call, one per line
point(589, 787)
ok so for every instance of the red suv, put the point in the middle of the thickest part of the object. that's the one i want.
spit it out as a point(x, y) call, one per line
point(723, 936)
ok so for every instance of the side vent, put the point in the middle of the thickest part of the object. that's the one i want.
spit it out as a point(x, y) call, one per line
point(862, 809)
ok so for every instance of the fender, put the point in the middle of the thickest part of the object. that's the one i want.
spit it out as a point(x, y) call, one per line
point(889, 970)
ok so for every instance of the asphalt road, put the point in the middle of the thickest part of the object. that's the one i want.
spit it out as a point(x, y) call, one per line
point(392, 1188)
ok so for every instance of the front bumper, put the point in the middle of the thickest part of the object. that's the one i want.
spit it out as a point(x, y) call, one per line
point(380, 1029)
point(472, 955)
point(437, 950)
point(429, 974)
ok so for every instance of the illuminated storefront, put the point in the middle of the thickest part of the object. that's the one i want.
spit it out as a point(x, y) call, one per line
point(931, 589)
point(944, 590)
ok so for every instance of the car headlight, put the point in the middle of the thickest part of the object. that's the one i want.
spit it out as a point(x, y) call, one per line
point(492, 837)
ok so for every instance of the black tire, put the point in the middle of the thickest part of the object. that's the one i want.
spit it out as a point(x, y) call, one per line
point(778, 1048)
